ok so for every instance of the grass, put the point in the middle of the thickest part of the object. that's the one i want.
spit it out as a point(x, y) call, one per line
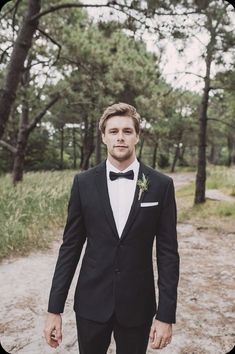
point(212, 213)
point(31, 210)
point(32, 213)
point(222, 178)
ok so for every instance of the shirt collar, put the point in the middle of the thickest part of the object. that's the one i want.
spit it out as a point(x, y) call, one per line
point(133, 166)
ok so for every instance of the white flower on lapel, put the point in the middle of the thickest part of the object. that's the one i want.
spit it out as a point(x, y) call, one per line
point(143, 185)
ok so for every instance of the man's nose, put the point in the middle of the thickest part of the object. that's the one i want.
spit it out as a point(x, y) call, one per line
point(120, 136)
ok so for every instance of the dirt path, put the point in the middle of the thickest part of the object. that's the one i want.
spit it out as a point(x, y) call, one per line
point(205, 321)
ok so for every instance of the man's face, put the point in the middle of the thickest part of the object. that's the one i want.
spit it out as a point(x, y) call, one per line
point(120, 138)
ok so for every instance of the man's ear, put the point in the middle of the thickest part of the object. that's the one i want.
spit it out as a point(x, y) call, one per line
point(138, 138)
point(103, 138)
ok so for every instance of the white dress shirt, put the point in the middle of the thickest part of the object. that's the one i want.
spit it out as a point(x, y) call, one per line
point(121, 194)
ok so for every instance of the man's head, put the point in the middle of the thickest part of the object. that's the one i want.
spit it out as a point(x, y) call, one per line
point(120, 109)
point(120, 126)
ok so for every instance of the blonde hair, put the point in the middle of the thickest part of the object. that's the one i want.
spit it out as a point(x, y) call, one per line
point(120, 109)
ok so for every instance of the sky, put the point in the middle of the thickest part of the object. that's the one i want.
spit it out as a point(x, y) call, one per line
point(173, 65)
point(180, 70)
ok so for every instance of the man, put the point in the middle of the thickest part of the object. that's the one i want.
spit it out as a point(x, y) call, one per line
point(118, 208)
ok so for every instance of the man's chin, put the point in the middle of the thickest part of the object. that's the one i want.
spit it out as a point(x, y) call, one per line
point(121, 157)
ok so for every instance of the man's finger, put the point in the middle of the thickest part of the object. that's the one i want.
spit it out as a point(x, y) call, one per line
point(156, 343)
point(151, 334)
point(163, 343)
point(47, 333)
point(50, 335)
point(51, 341)
point(58, 335)
point(53, 329)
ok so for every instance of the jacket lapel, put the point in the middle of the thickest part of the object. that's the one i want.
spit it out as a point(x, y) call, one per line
point(135, 208)
point(101, 183)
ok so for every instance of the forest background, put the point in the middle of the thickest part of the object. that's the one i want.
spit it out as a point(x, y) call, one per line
point(61, 64)
point(57, 79)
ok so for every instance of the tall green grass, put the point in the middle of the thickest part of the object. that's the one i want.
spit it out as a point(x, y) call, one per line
point(212, 211)
point(31, 210)
point(221, 177)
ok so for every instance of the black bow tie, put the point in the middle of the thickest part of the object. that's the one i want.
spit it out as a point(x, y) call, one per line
point(128, 175)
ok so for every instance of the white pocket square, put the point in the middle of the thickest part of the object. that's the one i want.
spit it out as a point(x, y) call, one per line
point(148, 204)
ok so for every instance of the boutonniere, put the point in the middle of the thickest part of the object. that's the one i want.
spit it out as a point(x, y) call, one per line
point(143, 184)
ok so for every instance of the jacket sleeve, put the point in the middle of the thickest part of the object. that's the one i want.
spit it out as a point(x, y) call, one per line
point(167, 258)
point(74, 237)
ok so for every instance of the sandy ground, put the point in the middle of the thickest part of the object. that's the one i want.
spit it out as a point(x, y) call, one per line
point(206, 310)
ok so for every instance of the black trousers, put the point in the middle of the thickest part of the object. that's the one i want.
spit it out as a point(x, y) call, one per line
point(95, 337)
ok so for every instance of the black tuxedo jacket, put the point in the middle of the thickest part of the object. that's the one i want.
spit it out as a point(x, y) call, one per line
point(117, 273)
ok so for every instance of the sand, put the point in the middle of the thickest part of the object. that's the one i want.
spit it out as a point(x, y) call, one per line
point(205, 313)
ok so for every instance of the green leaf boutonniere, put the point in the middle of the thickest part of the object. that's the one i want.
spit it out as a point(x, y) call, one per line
point(143, 185)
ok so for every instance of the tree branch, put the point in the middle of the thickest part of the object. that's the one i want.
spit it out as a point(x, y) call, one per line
point(177, 14)
point(14, 16)
point(198, 39)
point(229, 88)
point(221, 121)
point(11, 9)
point(8, 146)
point(191, 73)
point(78, 63)
point(112, 4)
point(186, 73)
point(65, 6)
point(43, 112)
point(5, 52)
point(54, 42)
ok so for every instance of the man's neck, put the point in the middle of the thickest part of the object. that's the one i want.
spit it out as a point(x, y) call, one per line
point(121, 165)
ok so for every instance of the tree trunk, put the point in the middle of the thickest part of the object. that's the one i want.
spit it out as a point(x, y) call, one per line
point(74, 149)
point(230, 150)
point(176, 156)
point(16, 65)
point(98, 145)
point(211, 157)
point(18, 166)
point(177, 150)
point(201, 164)
point(22, 138)
point(233, 150)
point(25, 129)
point(88, 144)
point(154, 155)
point(81, 156)
point(61, 148)
point(141, 149)
point(181, 156)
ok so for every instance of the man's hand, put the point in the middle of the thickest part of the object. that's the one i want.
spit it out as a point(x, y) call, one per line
point(160, 334)
point(52, 329)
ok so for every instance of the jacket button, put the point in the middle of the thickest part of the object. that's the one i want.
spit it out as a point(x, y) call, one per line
point(117, 270)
